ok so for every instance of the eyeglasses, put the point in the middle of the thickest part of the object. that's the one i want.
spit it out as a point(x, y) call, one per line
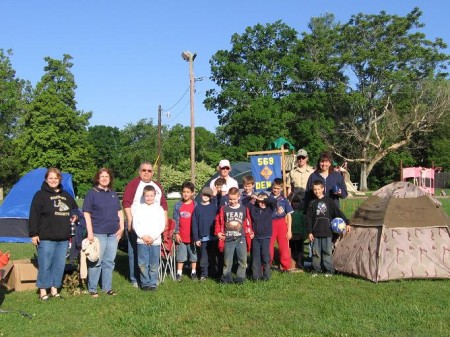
point(145, 170)
point(301, 157)
point(225, 168)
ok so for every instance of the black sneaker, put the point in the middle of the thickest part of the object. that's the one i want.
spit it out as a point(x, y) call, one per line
point(194, 277)
point(225, 280)
point(178, 277)
point(239, 280)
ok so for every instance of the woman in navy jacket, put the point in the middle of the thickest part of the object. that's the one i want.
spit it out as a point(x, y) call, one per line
point(332, 180)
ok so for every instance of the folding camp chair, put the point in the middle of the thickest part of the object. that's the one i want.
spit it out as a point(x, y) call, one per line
point(167, 262)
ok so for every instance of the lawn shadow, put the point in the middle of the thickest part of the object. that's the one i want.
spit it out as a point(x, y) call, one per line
point(122, 266)
point(3, 292)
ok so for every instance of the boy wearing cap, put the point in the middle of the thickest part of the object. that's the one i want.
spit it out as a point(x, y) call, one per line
point(224, 169)
point(203, 233)
point(298, 176)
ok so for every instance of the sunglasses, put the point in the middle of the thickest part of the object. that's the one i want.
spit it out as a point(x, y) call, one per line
point(145, 170)
point(301, 157)
point(225, 168)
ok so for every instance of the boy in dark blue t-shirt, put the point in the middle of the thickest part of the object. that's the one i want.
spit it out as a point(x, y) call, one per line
point(203, 220)
point(260, 216)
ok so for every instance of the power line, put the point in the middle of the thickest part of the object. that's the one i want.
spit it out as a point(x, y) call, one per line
point(173, 106)
point(179, 114)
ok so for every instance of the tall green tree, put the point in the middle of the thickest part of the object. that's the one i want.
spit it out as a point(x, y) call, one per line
point(106, 143)
point(439, 145)
point(138, 143)
point(252, 78)
point(12, 104)
point(52, 131)
point(314, 82)
point(394, 86)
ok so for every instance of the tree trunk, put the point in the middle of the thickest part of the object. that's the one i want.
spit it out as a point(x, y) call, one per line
point(363, 178)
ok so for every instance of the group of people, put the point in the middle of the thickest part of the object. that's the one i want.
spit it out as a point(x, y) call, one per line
point(226, 222)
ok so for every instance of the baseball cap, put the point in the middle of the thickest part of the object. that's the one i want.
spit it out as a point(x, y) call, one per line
point(207, 191)
point(224, 163)
point(302, 152)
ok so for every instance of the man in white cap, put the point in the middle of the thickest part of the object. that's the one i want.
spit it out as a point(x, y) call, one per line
point(298, 177)
point(224, 169)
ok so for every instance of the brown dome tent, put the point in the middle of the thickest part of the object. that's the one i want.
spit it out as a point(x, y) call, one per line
point(400, 232)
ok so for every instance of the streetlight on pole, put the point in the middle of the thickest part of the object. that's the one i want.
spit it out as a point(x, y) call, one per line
point(189, 57)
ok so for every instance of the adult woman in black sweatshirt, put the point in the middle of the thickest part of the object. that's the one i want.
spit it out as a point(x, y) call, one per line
point(52, 210)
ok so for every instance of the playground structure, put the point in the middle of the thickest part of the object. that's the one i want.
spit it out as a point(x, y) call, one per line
point(352, 188)
point(419, 176)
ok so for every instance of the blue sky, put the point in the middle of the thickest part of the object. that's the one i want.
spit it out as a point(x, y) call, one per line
point(127, 54)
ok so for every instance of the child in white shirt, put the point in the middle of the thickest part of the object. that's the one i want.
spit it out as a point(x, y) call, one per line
point(149, 223)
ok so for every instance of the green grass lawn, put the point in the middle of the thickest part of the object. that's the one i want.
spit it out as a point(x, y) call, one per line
point(287, 305)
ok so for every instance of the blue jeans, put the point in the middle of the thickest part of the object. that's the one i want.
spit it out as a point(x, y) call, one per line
point(261, 258)
point(132, 256)
point(240, 246)
point(105, 264)
point(322, 251)
point(208, 258)
point(148, 260)
point(51, 263)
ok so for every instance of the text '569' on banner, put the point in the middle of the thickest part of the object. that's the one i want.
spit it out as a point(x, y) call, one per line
point(265, 168)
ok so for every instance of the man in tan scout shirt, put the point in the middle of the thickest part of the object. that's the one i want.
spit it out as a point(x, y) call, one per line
point(298, 177)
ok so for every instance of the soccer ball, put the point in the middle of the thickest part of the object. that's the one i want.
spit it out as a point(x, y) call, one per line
point(338, 225)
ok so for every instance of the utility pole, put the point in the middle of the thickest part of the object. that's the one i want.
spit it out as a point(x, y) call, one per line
point(158, 176)
point(189, 57)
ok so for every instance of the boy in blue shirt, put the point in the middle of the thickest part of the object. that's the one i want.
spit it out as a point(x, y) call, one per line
point(281, 222)
point(260, 216)
point(203, 233)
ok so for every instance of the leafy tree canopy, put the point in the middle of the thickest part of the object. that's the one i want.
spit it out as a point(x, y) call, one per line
point(52, 131)
point(12, 101)
point(363, 89)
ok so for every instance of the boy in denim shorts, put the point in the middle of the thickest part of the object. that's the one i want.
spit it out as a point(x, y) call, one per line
point(182, 215)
